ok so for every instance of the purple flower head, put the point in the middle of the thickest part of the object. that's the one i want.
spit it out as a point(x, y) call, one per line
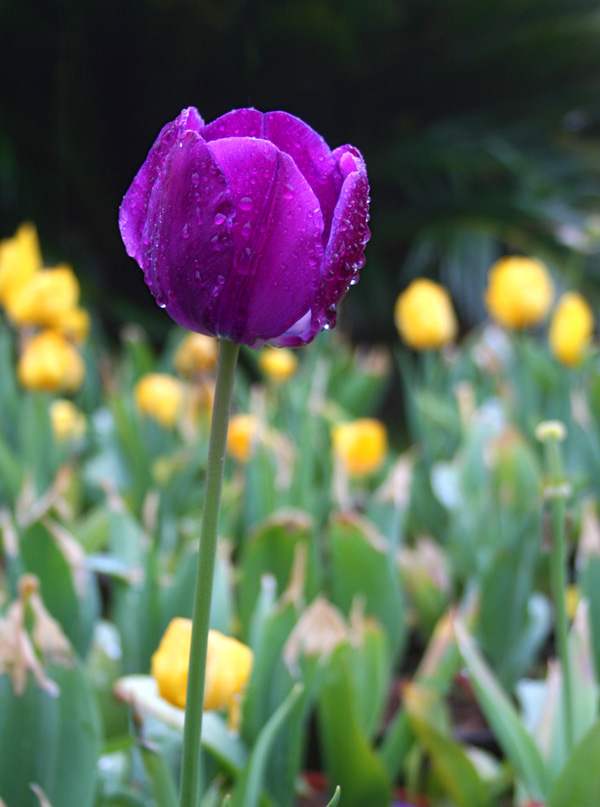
point(248, 228)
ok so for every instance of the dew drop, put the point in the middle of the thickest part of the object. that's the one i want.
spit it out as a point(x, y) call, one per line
point(216, 244)
point(245, 203)
point(219, 219)
point(185, 233)
point(195, 179)
point(246, 230)
point(288, 191)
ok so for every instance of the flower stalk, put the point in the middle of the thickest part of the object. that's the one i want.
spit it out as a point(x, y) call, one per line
point(551, 434)
point(192, 732)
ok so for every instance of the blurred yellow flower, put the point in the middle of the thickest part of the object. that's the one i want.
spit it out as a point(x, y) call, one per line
point(243, 430)
point(519, 292)
point(228, 666)
point(159, 396)
point(75, 325)
point(45, 298)
point(572, 600)
point(50, 363)
point(360, 445)
point(571, 328)
point(424, 315)
point(20, 258)
point(196, 353)
point(68, 422)
point(277, 364)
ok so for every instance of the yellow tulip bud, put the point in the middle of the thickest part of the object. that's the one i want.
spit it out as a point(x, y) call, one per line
point(519, 292)
point(159, 396)
point(75, 325)
point(50, 363)
point(196, 353)
point(45, 299)
point(68, 423)
point(228, 666)
point(360, 445)
point(20, 258)
point(571, 329)
point(277, 364)
point(243, 430)
point(424, 315)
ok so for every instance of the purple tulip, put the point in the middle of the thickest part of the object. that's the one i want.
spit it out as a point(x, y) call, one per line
point(248, 228)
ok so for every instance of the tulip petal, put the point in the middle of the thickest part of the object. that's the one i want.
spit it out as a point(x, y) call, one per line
point(344, 254)
point(188, 244)
point(313, 157)
point(277, 237)
point(291, 135)
point(134, 208)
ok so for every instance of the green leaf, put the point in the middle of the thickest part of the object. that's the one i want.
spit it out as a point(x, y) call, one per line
point(579, 781)
point(452, 766)
point(504, 720)
point(271, 549)
point(361, 567)
point(68, 592)
point(247, 790)
point(159, 776)
point(336, 798)
point(349, 758)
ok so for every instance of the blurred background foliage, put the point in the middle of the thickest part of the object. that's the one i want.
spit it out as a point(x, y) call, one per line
point(478, 120)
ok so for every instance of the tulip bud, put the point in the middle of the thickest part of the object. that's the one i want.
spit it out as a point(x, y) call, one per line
point(75, 325)
point(20, 258)
point(159, 396)
point(196, 354)
point(360, 445)
point(242, 433)
point(45, 299)
point(571, 329)
point(277, 364)
point(248, 228)
point(228, 666)
point(68, 423)
point(519, 292)
point(50, 363)
point(424, 315)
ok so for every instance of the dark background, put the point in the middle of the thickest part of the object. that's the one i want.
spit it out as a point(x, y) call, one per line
point(478, 120)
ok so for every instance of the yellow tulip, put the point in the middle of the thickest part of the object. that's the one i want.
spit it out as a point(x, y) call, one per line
point(360, 445)
point(68, 423)
point(424, 315)
point(159, 396)
point(277, 364)
point(75, 325)
point(228, 666)
point(519, 292)
point(20, 258)
point(45, 299)
point(571, 329)
point(50, 363)
point(243, 430)
point(196, 353)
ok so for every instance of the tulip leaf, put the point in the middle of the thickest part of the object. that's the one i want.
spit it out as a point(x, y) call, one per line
point(451, 765)
point(271, 549)
point(349, 758)
point(72, 603)
point(159, 776)
point(361, 567)
point(53, 741)
point(579, 781)
point(247, 790)
point(517, 743)
point(336, 798)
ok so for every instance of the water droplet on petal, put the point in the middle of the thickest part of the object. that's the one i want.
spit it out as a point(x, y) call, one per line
point(246, 230)
point(245, 203)
point(288, 191)
point(219, 219)
point(185, 233)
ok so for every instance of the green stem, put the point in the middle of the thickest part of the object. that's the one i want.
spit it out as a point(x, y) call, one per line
point(190, 765)
point(559, 586)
